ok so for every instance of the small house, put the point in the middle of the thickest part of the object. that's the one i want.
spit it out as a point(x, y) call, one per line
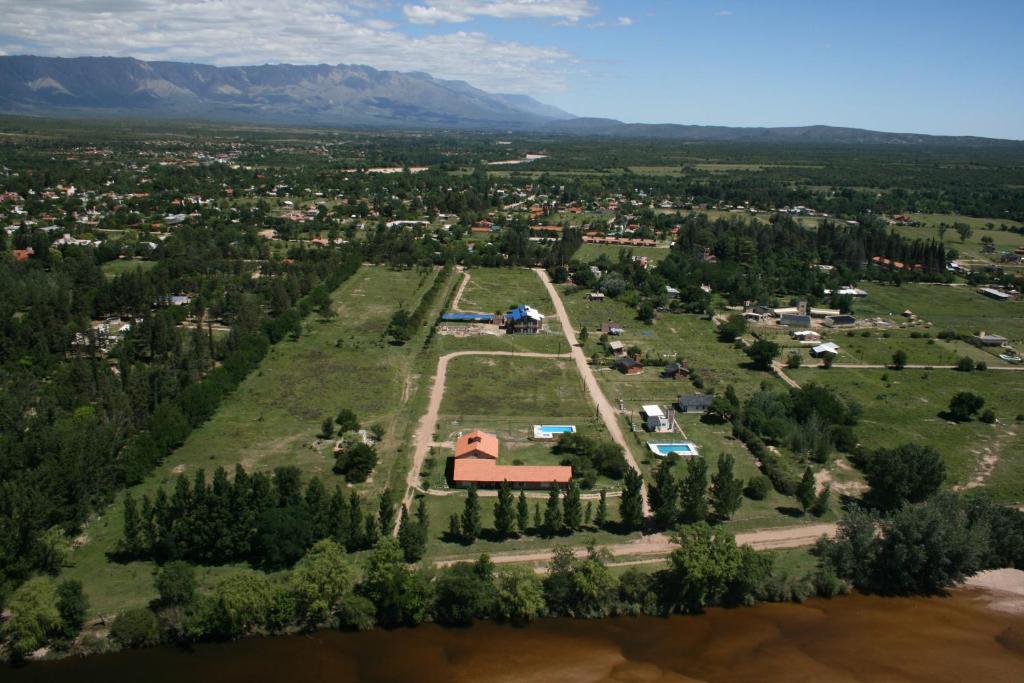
point(612, 328)
point(595, 296)
point(523, 320)
point(617, 348)
point(628, 366)
point(795, 320)
point(840, 320)
point(805, 336)
point(655, 419)
point(985, 339)
point(997, 294)
point(821, 349)
point(695, 403)
point(676, 370)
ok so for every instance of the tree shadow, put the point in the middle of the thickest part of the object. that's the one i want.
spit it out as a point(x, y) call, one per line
point(789, 511)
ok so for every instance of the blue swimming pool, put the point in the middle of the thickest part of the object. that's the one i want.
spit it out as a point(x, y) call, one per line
point(681, 447)
point(551, 431)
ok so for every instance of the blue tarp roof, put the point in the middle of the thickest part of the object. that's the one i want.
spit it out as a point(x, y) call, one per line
point(467, 316)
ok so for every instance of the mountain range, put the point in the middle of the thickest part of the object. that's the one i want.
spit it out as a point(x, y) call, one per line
point(343, 96)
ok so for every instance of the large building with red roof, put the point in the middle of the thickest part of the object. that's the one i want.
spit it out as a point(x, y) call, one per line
point(476, 464)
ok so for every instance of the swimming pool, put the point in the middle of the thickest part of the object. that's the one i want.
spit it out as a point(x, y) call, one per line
point(681, 447)
point(551, 431)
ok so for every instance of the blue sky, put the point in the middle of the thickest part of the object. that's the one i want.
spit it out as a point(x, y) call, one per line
point(913, 65)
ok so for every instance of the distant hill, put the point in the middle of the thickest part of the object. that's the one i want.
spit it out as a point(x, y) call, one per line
point(345, 96)
point(789, 134)
point(338, 95)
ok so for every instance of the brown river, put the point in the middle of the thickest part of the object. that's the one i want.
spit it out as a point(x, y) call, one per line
point(855, 638)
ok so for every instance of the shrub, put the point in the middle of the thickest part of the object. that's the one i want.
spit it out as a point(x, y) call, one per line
point(965, 364)
point(757, 488)
point(981, 365)
point(136, 628)
point(176, 583)
point(988, 417)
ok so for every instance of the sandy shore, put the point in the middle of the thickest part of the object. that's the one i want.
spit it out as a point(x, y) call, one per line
point(1004, 589)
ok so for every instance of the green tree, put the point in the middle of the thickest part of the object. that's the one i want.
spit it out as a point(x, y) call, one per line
point(820, 505)
point(471, 522)
point(899, 359)
point(909, 473)
point(347, 421)
point(319, 582)
point(504, 511)
point(72, 605)
point(176, 583)
point(386, 512)
point(409, 536)
point(762, 353)
point(401, 328)
point(702, 568)
point(523, 513)
point(631, 504)
point(580, 587)
point(401, 596)
point(693, 492)
point(664, 495)
point(553, 520)
point(964, 230)
point(601, 518)
point(964, 405)
point(726, 490)
point(131, 539)
point(805, 490)
point(519, 595)
point(794, 360)
point(733, 328)
point(584, 335)
point(327, 429)
point(241, 603)
point(464, 592)
point(34, 618)
point(572, 508)
point(136, 628)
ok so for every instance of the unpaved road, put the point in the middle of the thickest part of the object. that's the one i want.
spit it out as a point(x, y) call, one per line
point(660, 545)
point(462, 288)
point(608, 414)
point(424, 437)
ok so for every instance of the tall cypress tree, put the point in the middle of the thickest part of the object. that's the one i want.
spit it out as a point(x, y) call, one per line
point(572, 508)
point(553, 522)
point(131, 539)
point(631, 508)
point(601, 518)
point(523, 513)
point(408, 537)
point(665, 495)
point(726, 490)
point(693, 492)
point(504, 511)
point(471, 524)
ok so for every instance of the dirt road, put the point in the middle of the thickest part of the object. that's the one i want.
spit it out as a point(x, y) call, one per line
point(424, 437)
point(660, 545)
point(462, 288)
point(608, 414)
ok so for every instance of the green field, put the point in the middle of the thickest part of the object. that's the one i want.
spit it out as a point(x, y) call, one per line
point(498, 289)
point(112, 269)
point(905, 408)
point(273, 418)
point(591, 252)
point(958, 308)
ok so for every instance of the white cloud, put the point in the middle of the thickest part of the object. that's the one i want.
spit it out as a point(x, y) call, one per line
point(241, 32)
point(723, 13)
point(452, 11)
point(625, 21)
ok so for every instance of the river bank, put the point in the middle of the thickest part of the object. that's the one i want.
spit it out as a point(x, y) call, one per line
point(973, 634)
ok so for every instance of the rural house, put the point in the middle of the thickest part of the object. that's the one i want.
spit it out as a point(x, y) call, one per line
point(694, 403)
point(655, 420)
point(476, 464)
point(611, 328)
point(523, 320)
point(628, 366)
point(676, 370)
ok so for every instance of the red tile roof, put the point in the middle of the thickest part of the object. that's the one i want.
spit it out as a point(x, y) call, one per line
point(476, 444)
point(489, 471)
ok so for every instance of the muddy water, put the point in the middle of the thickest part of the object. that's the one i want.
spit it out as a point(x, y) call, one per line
point(855, 638)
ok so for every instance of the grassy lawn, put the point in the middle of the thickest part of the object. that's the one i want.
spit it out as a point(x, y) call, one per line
point(273, 418)
point(961, 309)
point(499, 289)
point(112, 269)
point(905, 409)
point(591, 252)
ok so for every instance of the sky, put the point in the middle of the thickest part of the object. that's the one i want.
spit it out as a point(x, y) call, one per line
point(923, 66)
